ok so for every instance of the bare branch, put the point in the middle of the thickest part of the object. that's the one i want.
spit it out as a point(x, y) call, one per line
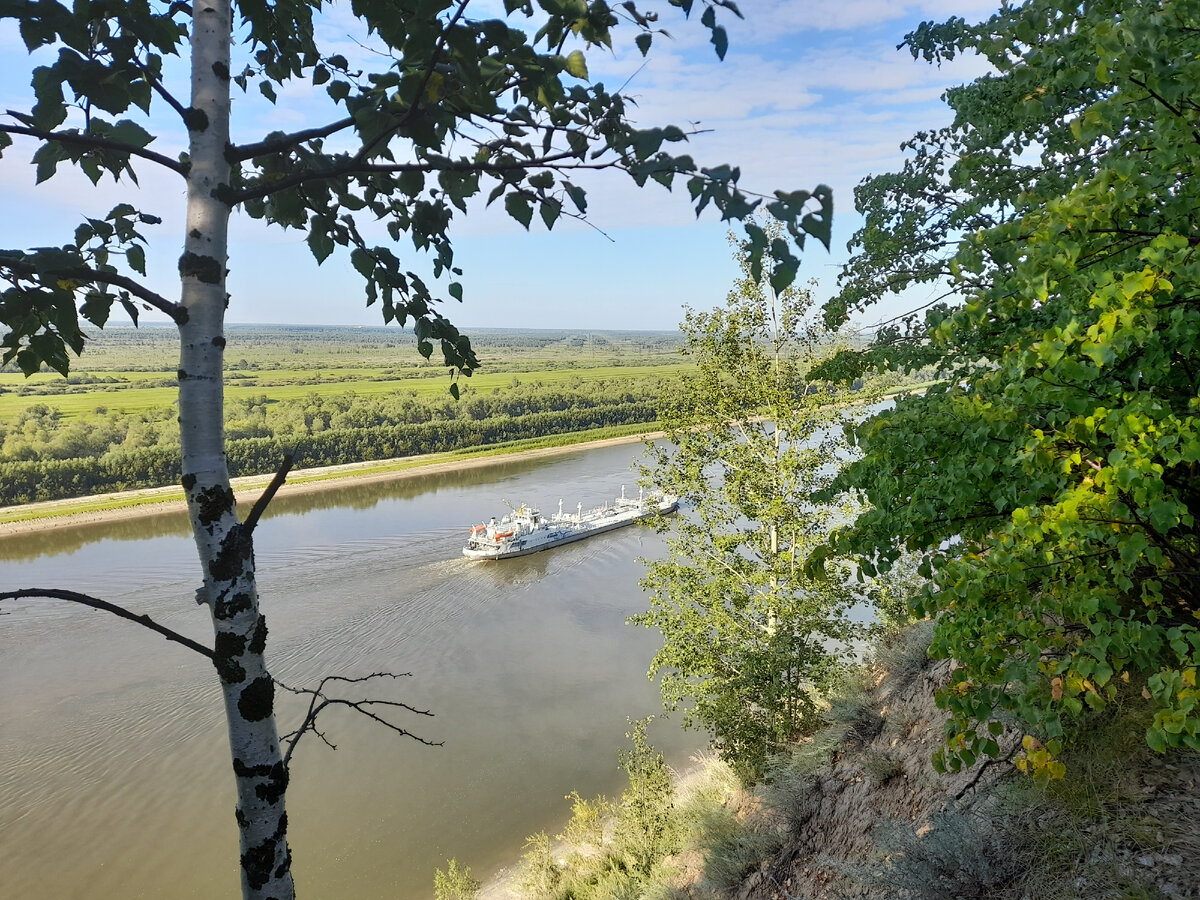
point(95, 143)
point(970, 785)
point(260, 505)
point(319, 701)
point(84, 600)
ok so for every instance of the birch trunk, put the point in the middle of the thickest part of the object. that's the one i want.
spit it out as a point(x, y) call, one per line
point(225, 547)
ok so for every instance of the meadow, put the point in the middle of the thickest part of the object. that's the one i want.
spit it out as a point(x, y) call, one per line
point(325, 395)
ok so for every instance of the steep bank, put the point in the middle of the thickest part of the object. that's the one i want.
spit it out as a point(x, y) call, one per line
point(858, 811)
point(877, 821)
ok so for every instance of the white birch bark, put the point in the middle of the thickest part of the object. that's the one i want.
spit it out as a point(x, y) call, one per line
point(224, 546)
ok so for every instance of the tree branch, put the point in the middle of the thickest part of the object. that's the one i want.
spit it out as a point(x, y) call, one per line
point(96, 143)
point(318, 701)
point(286, 142)
point(260, 505)
point(177, 313)
point(355, 167)
point(84, 275)
point(970, 785)
point(84, 600)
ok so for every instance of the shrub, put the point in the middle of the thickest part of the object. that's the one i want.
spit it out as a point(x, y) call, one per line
point(454, 883)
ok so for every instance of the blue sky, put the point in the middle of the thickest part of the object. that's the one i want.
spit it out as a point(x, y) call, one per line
point(809, 93)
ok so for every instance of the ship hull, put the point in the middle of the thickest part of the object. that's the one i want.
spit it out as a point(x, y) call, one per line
point(559, 534)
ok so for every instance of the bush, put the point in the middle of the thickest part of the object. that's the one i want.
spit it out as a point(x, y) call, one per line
point(454, 883)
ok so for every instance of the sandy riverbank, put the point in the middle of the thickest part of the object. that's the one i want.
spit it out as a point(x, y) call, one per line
point(37, 517)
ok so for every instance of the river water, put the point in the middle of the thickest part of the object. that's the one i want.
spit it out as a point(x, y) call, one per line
point(115, 780)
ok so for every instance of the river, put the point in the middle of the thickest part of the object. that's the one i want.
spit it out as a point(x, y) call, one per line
point(116, 782)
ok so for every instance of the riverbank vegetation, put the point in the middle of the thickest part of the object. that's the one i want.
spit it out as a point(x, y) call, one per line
point(750, 637)
point(1051, 486)
point(322, 395)
point(856, 809)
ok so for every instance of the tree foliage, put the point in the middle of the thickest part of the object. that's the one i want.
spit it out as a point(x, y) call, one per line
point(748, 636)
point(459, 107)
point(1052, 482)
point(441, 107)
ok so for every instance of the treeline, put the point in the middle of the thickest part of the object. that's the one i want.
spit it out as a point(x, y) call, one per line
point(108, 454)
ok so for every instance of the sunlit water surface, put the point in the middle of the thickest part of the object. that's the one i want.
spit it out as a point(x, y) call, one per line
point(115, 779)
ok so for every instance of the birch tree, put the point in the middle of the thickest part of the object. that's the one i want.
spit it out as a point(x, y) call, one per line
point(457, 107)
point(749, 638)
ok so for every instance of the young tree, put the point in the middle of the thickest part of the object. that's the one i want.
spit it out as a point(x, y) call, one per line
point(1052, 483)
point(748, 636)
point(458, 105)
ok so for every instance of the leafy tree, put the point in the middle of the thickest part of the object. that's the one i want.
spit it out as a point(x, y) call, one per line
point(748, 636)
point(456, 106)
point(645, 830)
point(1052, 482)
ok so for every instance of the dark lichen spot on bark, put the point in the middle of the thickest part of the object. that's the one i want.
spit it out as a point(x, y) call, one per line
point(273, 788)
point(213, 502)
point(258, 642)
point(257, 863)
point(231, 559)
point(228, 607)
point(242, 821)
point(188, 482)
point(219, 342)
point(258, 699)
point(181, 375)
point(241, 770)
point(203, 268)
point(195, 234)
point(226, 647)
point(286, 865)
point(195, 119)
point(221, 70)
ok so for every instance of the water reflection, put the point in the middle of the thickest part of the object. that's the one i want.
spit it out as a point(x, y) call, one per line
point(349, 495)
point(68, 539)
point(116, 784)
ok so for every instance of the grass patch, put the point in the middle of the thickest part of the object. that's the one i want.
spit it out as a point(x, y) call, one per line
point(291, 384)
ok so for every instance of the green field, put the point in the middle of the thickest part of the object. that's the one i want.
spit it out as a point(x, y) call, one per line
point(284, 384)
point(328, 396)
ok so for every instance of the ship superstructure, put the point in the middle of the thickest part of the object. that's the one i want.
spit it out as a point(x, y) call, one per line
point(526, 530)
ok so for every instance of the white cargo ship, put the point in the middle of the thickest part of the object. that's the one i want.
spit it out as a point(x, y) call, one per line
point(525, 530)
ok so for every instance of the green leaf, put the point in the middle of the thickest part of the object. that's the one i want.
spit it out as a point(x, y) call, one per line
point(135, 256)
point(321, 245)
point(577, 65)
point(519, 207)
point(720, 40)
point(550, 210)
